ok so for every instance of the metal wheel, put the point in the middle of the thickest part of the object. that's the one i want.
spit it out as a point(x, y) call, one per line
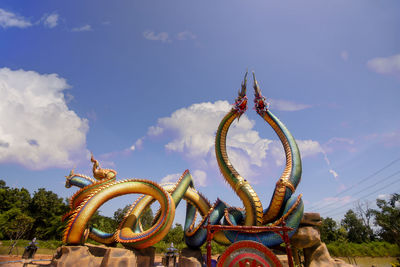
point(248, 254)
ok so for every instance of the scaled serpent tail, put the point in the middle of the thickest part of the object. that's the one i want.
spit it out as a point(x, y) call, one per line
point(284, 206)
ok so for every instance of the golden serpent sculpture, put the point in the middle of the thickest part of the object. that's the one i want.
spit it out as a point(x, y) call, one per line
point(103, 186)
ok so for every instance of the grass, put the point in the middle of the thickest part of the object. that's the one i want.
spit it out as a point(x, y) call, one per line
point(371, 249)
point(47, 247)
point(336, 249)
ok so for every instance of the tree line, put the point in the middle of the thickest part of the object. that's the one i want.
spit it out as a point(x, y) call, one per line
point(23, 215)
point(364, 224)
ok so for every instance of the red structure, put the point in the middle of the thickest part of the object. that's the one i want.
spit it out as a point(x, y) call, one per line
point(258, 261)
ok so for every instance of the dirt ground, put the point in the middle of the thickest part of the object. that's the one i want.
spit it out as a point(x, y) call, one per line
point(44, 260)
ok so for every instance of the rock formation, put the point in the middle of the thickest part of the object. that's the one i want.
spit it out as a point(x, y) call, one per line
point(190, 258)
point(101, 256)
point(308, 239)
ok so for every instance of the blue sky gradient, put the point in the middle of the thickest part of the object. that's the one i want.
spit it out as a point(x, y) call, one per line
point(143, 85)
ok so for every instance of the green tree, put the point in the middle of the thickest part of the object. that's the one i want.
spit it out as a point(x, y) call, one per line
point(329, 230)
point(146, 217)
point(14, 198)
point(14, 224)
point(388, 218)
point(357, 232)
point(2, 184)
point(364, 212)
point(47, 209)
point(120, 214)
point(175, 235)
point(103, 223)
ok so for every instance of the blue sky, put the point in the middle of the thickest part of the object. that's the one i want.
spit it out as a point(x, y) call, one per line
point(144, 84)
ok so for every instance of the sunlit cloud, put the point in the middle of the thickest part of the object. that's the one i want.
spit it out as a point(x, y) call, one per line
point(84, 28)
point(161, 36)
point(190, 131)
point(285, 105)
point(9, 19)
point(337, 201)
point(383, 196)
point(139, 143)
point(171, 178)
point(385, 65)
point(199, 178)
point(185, 35)
point(391, 139)
point(334, 173)
point(37, 129)
point(339, 143)
point(51, 21)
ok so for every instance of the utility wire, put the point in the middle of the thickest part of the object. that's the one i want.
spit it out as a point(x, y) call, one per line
point(362, 198)
point(360, 191)
point(361, 181)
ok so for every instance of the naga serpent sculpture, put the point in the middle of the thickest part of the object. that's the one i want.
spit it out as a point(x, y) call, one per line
point(283, 205)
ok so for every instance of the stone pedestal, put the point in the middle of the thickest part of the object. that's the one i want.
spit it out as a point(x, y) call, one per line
point(101, 256)
point(308, 238)
point(190, 258)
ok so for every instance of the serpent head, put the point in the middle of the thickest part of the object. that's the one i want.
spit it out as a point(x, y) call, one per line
point(100, 173)
point(259, 100)
point(241, 101)
point(68, 179)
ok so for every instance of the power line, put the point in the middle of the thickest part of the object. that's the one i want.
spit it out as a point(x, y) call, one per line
point(362, 198)
point(361, 181)
point(362, 190)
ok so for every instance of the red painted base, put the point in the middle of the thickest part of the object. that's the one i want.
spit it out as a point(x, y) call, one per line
point(248, 254)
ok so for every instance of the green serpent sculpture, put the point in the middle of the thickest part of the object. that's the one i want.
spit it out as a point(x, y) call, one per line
point(283, 205)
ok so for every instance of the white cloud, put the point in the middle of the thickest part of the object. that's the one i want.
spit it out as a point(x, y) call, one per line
point(391, 139)
point(37, 129)
point(344, 55)
point(171, 178)
point(337, 201)
point(192, 133)
point(185, 35)
point(307, 148)
point(385, 65)
point(285, 105)
point(84, 28)
point(155, 130)
point(200, 178)
point(161, 36)
point(132, 148)
point(334, 173)
point(9, 19)
point(51, 21)
point(139, 143)
point(193, 128)
point(383, 196)
point(339, 143)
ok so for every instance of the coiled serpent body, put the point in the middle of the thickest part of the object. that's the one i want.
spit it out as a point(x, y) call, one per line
point(284, 206)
